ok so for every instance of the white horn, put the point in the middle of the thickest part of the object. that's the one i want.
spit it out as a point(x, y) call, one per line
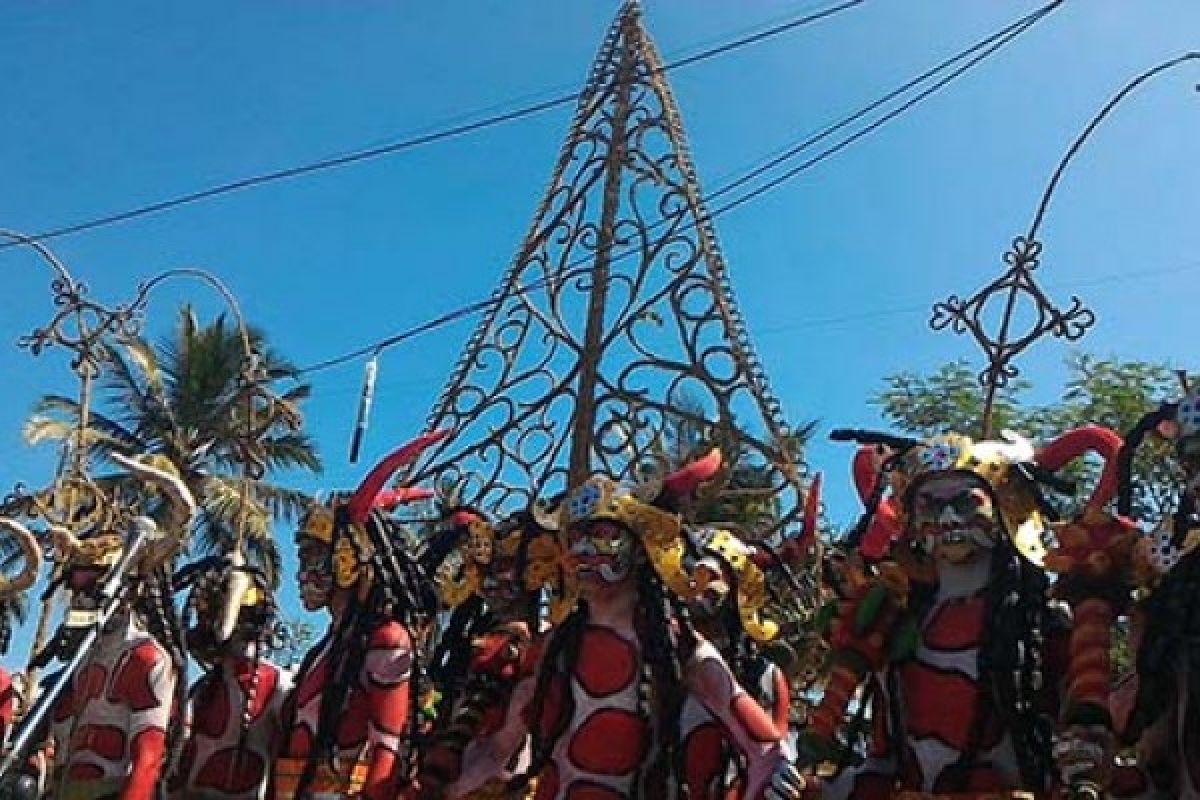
point(33, 557)
point(236, 586)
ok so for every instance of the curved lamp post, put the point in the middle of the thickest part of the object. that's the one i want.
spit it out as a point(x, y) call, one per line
point(1017, 285)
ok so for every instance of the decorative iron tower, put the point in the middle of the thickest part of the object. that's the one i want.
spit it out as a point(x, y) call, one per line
point(614, 336)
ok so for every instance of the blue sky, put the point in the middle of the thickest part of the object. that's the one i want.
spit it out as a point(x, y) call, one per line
point(111, 105)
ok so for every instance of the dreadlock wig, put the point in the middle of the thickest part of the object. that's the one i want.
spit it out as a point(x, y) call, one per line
point(354, 716)
point(622, 689)
point(1167, 564)
point(1013, 627)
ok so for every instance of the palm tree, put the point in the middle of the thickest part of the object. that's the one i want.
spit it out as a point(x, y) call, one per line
point(184, 399)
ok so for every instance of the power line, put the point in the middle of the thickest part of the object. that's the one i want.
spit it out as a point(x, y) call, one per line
point(438, 135)
point(816, 323)
point(982, 50)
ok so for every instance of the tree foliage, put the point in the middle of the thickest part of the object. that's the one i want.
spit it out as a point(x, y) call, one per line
point(183, 399)
point(1104, 391)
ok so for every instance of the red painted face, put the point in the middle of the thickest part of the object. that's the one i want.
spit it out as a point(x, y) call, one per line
point(604, 552)
point(314, 573)
point(954, 518)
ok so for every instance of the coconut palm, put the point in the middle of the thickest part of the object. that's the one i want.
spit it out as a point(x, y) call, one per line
point(183, 399)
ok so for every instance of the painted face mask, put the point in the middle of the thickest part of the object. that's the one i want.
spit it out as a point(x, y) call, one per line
point(954, 518)
point(603, 552)
point(314, 574)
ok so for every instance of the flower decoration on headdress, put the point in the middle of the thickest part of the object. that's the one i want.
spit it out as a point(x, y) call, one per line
point(1011, 468)
point(649, 511)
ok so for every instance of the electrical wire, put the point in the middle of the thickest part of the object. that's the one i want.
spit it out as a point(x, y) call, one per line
point(438, 135)
point(982, 50)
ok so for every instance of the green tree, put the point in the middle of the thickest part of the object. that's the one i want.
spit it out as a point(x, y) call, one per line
point(1103, 391)
point(183, 399)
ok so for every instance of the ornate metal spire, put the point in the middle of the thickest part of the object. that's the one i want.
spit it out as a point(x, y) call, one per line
point(615, 328)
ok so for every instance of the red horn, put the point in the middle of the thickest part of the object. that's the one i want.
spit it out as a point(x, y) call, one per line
point(363, 499)
point(866, 471)
point(883, 530)
point(390, 498)
point(885, 523)
point(1075, 443)
point(812, 508)
point(684, 482)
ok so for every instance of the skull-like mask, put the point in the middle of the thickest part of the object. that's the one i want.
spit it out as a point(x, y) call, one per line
point(954, 517)
point(603, 551)
point(314, 573)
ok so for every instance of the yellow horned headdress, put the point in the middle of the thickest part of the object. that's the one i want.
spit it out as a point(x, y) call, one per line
point(479, 545)
point(103, 550)
point(340, 522)
point(650, 511)
point(1012, 468)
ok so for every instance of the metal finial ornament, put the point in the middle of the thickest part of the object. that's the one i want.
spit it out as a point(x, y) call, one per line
point(1017, 289)
point(633, 311)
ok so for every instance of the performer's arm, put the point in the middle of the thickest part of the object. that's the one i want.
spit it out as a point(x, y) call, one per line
point(487, 757)
point(387, 671)
point(752, 730)
point(147, 685)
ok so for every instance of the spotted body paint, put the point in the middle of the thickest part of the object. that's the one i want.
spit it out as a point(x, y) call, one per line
point(373, 727)
point(110, 728)
point(218, 763)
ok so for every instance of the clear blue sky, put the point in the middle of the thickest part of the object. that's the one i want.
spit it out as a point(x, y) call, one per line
point(110, 105)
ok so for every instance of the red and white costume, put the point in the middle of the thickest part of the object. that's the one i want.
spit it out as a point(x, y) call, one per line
point(597, 735)
point(8, 705)
point(110, 729)
point(219, 762)
point(371, 731)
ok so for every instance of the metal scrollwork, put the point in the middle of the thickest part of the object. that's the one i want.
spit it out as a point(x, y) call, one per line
point(633, 311)
point(1022, 299)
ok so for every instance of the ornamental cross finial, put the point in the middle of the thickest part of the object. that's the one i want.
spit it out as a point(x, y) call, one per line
point(1027, 316)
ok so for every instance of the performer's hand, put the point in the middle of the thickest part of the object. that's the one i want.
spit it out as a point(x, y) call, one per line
point(788, 784)
point(1084, 754)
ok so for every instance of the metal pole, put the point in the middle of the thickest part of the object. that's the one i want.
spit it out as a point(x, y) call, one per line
point(584, 424)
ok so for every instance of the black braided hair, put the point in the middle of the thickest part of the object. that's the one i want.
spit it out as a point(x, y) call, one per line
point(1012, 659)
point(398, 591)
point(666, 649)
point(1170, 643)
point(154, 605)
point(559, 659)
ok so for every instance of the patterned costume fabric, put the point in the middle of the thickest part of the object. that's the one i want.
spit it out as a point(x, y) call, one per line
point(936, 724)
point(220, 761)
point(605, 706)
point(1162, 706)
point(371, 731)
point(110, 729)
point(8, 705)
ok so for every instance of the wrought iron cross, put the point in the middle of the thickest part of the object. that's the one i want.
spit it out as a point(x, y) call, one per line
point(1018, 291)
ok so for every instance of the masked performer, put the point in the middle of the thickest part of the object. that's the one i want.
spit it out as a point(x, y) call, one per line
point(115, 726)
point(955, 637)
point(351, 719)
point(603, 709)
point(31, 554)
point(484, 650)
point(234, 729)
point(1165, 718)
point(710, 760)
